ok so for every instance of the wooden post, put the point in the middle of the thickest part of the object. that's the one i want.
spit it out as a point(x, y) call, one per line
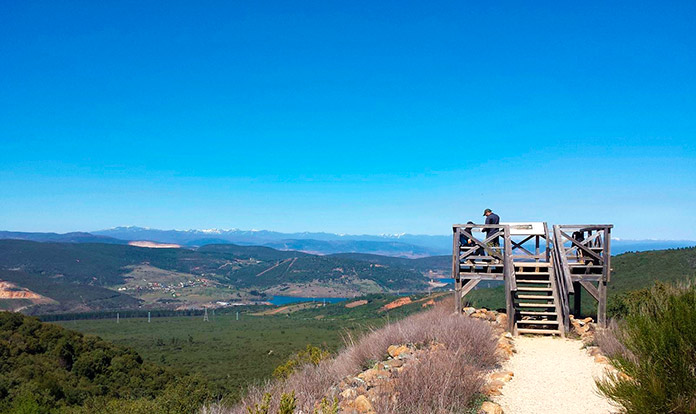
point(455, 270)
point(606, 275)
point(602, 305)
point(577, 296)
point(508, 271)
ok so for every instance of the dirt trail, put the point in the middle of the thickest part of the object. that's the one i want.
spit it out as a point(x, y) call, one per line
point(552, 375)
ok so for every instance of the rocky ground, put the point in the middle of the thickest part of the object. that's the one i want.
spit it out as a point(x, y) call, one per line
point(359, 394)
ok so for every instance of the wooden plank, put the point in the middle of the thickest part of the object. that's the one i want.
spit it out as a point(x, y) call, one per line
point(585, 226)
point(470, 284)
point(607, 254)
point(482, 276)
point(533, 289)
point(591, 289)
point(582, 247)
point(537, 297)
point(602, 305)
point(539, 331)
point(537, 322)
point(455, 270)
point(576, 299)
point(510, 284)
point(536, 313)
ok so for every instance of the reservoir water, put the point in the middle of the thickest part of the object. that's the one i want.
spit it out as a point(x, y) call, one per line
point(284, 300)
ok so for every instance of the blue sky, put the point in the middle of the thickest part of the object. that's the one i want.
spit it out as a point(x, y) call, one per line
point(352, 117)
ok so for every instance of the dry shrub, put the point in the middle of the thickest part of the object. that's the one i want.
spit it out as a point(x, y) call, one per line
point(470, 351)
point(439, 383)
point(608, 341)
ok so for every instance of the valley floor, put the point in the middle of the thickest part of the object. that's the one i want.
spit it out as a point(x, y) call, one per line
point(553, 375)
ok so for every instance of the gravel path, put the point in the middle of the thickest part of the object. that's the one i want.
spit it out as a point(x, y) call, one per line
point(552, 375)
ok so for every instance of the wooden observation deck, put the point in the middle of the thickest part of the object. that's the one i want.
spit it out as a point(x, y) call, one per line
point(539, 271)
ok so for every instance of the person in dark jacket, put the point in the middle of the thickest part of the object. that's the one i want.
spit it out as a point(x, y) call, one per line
point(492, 218)
point(464, 240)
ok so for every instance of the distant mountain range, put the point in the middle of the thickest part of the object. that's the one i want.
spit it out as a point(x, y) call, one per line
point(399, 245)
point(396, 245)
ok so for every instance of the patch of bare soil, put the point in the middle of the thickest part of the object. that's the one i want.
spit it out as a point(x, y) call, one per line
point(356, 303)
point(396, 304)
point(153, 245)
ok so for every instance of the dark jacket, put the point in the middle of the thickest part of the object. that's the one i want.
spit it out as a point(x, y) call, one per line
point(492, 219)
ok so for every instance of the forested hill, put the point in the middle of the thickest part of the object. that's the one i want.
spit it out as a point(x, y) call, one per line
point(639, 270)
point(92, 276)
point(46, 368)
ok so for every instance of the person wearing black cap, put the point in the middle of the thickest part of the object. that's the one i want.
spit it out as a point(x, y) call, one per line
point(492, 218)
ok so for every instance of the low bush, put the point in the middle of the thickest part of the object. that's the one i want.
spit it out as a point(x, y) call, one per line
point(654, 348)
point(310, 355)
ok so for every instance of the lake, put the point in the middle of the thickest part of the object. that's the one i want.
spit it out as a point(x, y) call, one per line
point(284, 300)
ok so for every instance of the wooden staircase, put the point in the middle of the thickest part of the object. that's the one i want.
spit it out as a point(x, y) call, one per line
point(537, 307)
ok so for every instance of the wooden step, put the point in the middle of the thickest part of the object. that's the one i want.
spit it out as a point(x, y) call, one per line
point(536, 305)
point(531, 264)
point(532, 273)
point(536, 313)
point(535, 297)
point(538, 331)
point(537, 322)
point(534, 289)
point(538, 282)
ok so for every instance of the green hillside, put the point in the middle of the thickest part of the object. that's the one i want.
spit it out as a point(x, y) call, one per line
point(69, 295)
point(639, 270)
point(93, 276)
point(45, 368)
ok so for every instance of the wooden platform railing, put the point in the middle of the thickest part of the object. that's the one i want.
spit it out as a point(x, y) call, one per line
point(479, 261)
point(583, 255)
point(563, 285)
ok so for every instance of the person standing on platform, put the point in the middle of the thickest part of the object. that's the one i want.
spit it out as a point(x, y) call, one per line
point(492, 218)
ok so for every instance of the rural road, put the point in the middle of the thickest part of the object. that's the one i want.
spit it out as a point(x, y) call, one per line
point(552, 375)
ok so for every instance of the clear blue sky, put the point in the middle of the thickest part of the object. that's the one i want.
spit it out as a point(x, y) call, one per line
point(354, 117)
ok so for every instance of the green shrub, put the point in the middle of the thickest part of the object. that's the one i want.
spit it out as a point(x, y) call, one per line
point(288, 403)
point(263, 407)
point(326, 407)
point(629, 302)
point(310, 355)
point(658, 366)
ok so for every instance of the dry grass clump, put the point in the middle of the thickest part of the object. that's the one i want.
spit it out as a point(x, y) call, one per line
point(439, 383)
point(446, 381)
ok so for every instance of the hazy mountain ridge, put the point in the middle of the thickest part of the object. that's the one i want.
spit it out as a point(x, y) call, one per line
point(419, 244)
point(396, 245)
point(72, 237)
